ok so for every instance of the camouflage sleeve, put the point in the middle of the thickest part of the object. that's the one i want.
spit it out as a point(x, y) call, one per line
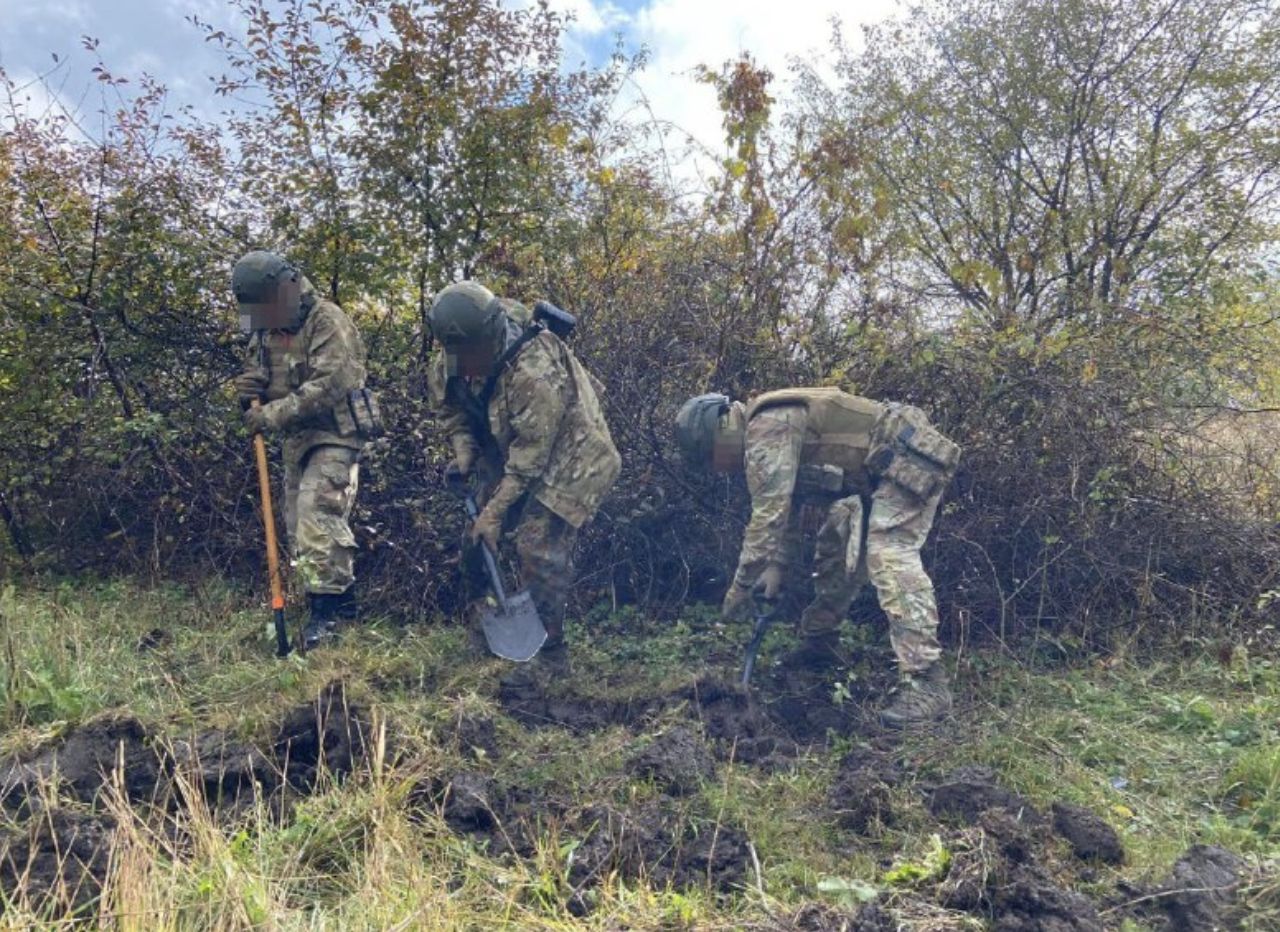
point(452, 420)
point(335, 358)
point(774, 440)
point(537, 390)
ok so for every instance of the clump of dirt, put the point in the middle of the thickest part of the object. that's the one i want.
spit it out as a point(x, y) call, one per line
point(469, 800)
point(224, 769)
point(328, 734)
point(967, 792)
point(82, 763)
point(861, 795)
point(1200, 894)
point(473, 735)
point(817, 917)
point(653, 842)
point(1091, 838)
point(535, 706)
point(1033, 903)
point(678, 761)
point(995, 871)
point(60, 854)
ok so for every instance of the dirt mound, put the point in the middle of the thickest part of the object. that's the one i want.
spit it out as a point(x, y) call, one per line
point(224, 769)
point(64, 853)
point(473, 736)
point(1200, 894)
point(1091, 838)
point(861, 795)
point(87, 758)
point(60, 853)
point(816, 917)
point(1033, 903)
point(678, 761)
point(997, 871)
point(656, 842)
point(328, 734)
point(967, 792)
point(536, 706)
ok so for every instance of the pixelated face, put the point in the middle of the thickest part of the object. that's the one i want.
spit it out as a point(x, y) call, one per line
point(277, 311)
point(470, 360)
point(727, 449)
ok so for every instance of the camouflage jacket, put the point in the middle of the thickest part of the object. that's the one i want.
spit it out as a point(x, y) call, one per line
point(546, 417)
point(775, 439)
point(310, 372)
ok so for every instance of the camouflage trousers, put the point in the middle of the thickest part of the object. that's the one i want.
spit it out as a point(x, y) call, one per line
point(319, 492)
point(879, 540)
point(544, 544)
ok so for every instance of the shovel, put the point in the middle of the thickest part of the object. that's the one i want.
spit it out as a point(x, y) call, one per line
point(764, 617)
point(513, 629)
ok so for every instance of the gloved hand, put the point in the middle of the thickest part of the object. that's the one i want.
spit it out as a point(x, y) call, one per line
point(487, 528)
point(455, 474)
point(261, 419)
point(769, 583)
point(251, 384)
point(736, 602)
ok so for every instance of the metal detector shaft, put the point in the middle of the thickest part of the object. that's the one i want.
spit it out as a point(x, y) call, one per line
point(273, 555)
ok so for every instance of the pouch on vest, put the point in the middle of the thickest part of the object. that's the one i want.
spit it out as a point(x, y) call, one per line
point(924, 441)
point(359, 415)
point(919, 477)
point(819, 481)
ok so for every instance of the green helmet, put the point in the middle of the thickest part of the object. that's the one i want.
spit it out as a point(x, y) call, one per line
point(268, 289)
point(467, 313)
point(697, 425)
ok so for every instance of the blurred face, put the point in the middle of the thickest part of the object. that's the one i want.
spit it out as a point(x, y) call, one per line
point(469, 360)
point(277, 311)
point(730, 444)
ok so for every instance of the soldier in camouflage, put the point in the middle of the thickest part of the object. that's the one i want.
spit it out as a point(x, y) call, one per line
point(870, 476)
point(523, 414)
point(304, 358)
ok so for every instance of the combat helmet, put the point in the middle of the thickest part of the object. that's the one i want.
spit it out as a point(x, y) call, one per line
point(467, 314)
point(697, 425)
point(268, 289)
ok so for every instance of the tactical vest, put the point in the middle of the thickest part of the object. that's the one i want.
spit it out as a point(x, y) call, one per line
point(839, 427)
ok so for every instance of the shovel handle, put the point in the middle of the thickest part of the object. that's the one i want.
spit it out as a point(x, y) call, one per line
point(764, 618)
point(490, 564)
point(273, 554)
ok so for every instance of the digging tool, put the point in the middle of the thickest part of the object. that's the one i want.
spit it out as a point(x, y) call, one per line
point(765, 611)
point(513, 630)
point(273, 556)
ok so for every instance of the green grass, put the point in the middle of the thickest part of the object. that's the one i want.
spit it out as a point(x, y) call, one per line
point(1170, 752)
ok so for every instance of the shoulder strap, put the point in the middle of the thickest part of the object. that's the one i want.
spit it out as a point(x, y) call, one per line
point(508, 356)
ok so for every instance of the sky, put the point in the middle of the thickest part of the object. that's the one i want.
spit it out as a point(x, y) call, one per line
point(155, 36)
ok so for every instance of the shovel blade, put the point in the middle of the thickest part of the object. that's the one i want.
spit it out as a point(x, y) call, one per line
point(517, 633)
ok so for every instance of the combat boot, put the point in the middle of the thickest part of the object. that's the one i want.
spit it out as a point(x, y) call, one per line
point(327, 613)
point(815, 652)
point(922, 697)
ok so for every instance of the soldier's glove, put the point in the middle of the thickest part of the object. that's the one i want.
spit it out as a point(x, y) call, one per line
point(455, 475)
point(262, 419)
point(769, 584)
point(251, 384)
point(736, 602)
point(487, 528)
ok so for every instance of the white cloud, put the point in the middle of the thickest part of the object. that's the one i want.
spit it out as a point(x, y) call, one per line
point(683, 34)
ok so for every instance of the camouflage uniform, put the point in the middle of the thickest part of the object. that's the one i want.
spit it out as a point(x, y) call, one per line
point(558, 460)
point(309, 373)
point(873, 528)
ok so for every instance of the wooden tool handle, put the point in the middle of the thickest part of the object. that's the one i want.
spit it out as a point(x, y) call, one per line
point(268, 520)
